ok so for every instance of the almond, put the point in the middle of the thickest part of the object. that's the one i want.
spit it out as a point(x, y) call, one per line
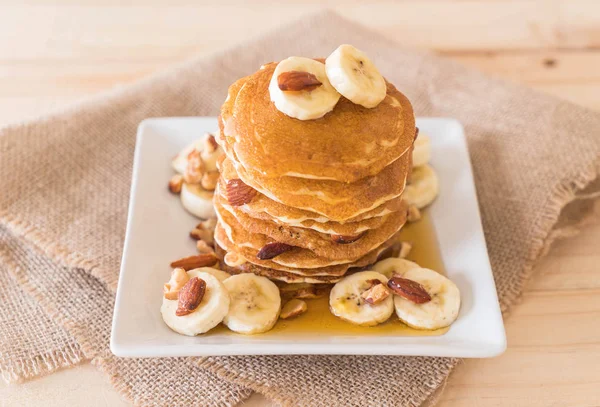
point(238, 193)
point(293, 308)
point(209, 180)
point(194, 262)
point(414, 214)
point(190, 296)
point(194, 169)
point(377, 293)
point(295, 81)
point(271, 250)
point(345, 239)
point(175, 183)
point(205, 230)
point(409, 289)
point(203, 247)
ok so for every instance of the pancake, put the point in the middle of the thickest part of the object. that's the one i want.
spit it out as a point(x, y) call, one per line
point(291, 275)
point(347, 144)
point(334, 200)
point(329, 227)
point(254, 233)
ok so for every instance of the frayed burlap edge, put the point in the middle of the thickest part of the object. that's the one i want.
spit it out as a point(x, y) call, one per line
point(43, 364)
point(564, 193)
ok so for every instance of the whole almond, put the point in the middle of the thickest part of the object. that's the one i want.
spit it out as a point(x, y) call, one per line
point(194, 262)
point(238, 193)
point(295, 81)
point(409, 289)
point(190, 296)
point(271, 250)
point(346, 239)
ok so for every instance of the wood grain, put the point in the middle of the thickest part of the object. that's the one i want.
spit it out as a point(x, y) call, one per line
point(55, 53)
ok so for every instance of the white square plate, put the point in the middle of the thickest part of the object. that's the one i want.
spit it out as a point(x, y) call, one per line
point(158, 227)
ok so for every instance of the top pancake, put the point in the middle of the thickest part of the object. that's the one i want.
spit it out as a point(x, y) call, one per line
point(347, 144)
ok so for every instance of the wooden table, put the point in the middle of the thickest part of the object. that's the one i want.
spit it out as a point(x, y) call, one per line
point(51, 55)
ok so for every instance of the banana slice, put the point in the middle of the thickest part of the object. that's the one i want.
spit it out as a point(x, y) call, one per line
point(346, 301)
point(197, 201)
point(211, 311)
point(422, 151)
point(394, 266)
point(303, 104)
point(255, 303)
point(440, 312)
point(219, 274)
point(423, 187)
point(355, 76)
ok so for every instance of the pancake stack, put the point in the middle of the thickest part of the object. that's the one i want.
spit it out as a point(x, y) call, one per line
point(309, 200)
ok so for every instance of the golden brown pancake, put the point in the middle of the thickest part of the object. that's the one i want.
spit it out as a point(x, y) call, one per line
point(291, 275)
point(335, 200)
point(322, 225)
point(254, 233)
point(349, 143)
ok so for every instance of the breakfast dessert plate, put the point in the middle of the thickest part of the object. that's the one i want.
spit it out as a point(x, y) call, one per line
point(449, 239)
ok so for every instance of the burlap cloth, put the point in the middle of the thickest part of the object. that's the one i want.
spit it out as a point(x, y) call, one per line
point(64, 183)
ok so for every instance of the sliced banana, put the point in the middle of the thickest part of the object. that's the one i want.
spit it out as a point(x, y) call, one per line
point(394, 266)
point(440, 312)
point(219, 274)
point(423, 187)
point(345, 300)
point(422, 150)
point(197, 201)
point(255, 303)
point(211, 311)
point(355, 76)
point(303, 104)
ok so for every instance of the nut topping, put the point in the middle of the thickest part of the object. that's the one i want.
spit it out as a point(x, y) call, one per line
point(295, 81)
point(209, 144)
point(377, 293)
point(178, 279)
point(203, 247)
point(209, 180)
point(194, 262)
point(205, 230)
point(175, 183)
point(195, 168)
point(271, 250)
point(409, 289)
point(405, 248)
point(293, 308)
point(345, 239)
point(238, 193)
point(190, 296)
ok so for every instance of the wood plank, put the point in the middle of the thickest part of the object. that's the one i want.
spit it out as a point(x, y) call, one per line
point(552, 357)
point(163, 30)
